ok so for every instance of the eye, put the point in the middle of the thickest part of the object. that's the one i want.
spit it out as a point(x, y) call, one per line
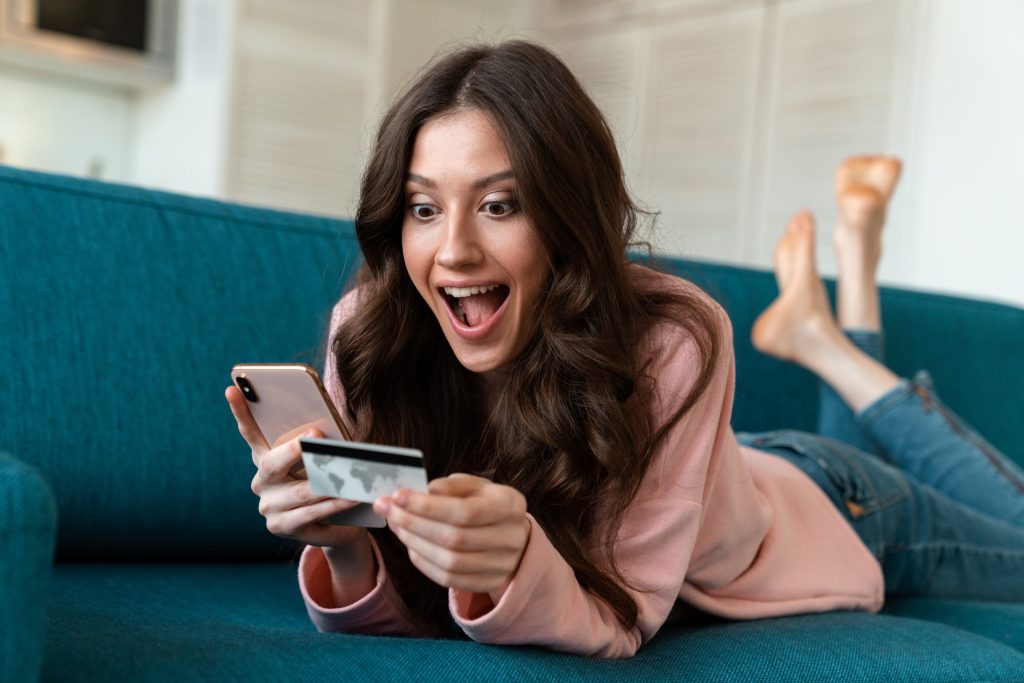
point(423, 211)
point(499, 209)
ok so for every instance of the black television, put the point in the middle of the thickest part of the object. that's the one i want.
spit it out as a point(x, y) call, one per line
point(111, 22)
point(122, 42)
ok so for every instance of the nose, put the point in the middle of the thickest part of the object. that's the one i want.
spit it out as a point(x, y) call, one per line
point(459, 247)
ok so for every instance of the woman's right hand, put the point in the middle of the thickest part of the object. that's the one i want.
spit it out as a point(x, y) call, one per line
point(291, 509)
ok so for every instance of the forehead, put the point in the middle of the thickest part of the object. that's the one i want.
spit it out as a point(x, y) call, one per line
point(459, 144)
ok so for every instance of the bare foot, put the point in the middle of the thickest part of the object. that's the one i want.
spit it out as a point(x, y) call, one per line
point(799, 323)
point(864, 185)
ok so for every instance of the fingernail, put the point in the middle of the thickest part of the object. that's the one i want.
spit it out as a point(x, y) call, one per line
point(382, 507)
point(401, 498)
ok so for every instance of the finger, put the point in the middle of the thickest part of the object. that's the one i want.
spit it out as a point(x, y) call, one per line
point(464, 512)
point(305, 430)
point(458, 538)
point(457, 485)
point(490, 504)
point(452, 561)
point(475, 583)
point(277, 498)
point(276, 464)
point(247, 426)
point(300, 522)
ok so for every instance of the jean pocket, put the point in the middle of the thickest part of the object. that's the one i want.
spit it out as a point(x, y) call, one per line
point(866, 483)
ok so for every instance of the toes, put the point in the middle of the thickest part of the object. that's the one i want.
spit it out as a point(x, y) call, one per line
point(804, 221)
point(801, 228)
point(798, 240)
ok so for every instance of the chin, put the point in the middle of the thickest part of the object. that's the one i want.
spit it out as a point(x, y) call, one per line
point(481, 363)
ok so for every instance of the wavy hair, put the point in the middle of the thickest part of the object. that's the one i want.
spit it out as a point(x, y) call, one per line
point(572, 429)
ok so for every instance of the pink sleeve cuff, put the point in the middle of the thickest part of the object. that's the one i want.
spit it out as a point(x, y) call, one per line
point(378, 611)
point(538, 558)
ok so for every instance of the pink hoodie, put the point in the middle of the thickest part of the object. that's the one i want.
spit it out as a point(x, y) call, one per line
point(728, 529)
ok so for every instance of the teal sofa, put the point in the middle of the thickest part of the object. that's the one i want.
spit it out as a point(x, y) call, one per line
point(130, 544)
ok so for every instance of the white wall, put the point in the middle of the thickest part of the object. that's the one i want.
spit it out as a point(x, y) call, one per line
point(965, 178)
point(180, 133)
point(57, 124)
point(170, 137)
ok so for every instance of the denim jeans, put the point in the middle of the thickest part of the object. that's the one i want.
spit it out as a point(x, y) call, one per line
point(937, 505)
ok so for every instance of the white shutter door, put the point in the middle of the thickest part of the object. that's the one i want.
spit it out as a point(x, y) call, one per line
point(833, 67)
point(698, 139)
point(596, 12)
point(610, 68)
point(299, 104)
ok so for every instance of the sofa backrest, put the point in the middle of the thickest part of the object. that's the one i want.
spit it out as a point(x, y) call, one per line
point(973, 349)
point(122, 311)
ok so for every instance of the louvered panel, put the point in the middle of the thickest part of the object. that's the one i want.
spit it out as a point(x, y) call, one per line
point(669, 8)
point(297, 136)
point(610, 67)
point(291, 47)
point(339, 21)
point(570, 12)
point(298, 112)
point(834, 65)
point(699, 132)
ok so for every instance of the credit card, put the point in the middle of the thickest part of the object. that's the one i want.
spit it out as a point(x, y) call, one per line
point(361, 471)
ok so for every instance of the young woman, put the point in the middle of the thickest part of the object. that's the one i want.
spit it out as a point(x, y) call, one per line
point(573, 409)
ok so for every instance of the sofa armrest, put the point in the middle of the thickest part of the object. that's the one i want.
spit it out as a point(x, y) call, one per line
point(28, 530)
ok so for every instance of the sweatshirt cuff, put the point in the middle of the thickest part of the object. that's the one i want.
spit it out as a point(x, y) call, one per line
point(538, 558)
point(374, 612)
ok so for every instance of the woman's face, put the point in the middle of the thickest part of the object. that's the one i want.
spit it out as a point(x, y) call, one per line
point(471, 253)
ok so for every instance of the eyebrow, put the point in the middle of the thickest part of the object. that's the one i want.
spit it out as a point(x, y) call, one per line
point(477, 185)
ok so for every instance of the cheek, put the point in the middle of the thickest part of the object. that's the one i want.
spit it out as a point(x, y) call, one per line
point(417, 261)
point(533, 264)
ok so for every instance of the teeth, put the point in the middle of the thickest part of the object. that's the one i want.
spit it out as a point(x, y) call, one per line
point(460, 292)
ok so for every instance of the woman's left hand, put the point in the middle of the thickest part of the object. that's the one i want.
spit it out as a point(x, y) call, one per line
point(467, 533)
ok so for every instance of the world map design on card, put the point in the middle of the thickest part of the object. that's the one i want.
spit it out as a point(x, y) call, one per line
point(359, 471)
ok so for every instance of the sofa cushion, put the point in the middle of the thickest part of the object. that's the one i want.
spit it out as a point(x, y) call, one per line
point(1000, 621)
point(170, 623)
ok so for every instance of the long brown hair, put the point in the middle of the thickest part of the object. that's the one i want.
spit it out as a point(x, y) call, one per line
point(572, 429)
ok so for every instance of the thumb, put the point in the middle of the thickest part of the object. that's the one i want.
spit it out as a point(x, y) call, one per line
point(457, 485)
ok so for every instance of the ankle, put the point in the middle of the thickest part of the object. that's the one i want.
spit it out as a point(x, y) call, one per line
point(820, 338)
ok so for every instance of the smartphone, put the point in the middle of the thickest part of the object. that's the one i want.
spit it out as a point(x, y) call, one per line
point(285, 396)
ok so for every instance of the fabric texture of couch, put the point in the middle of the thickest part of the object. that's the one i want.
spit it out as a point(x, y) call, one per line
point(122, 311)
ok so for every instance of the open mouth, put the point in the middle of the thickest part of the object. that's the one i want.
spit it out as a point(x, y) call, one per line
point(474, 306)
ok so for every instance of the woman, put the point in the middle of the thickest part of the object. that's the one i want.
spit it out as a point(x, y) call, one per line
point(573, 409)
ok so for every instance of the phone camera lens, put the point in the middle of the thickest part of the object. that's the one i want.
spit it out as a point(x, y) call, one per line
point(247, 390)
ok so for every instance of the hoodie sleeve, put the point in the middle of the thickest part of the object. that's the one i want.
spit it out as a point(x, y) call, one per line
point(545, 605)
point(381, 611)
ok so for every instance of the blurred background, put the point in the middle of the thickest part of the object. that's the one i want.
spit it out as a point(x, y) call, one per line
point(730, 114)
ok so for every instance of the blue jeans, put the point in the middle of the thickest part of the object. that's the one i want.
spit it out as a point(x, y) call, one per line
point(941, 509)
